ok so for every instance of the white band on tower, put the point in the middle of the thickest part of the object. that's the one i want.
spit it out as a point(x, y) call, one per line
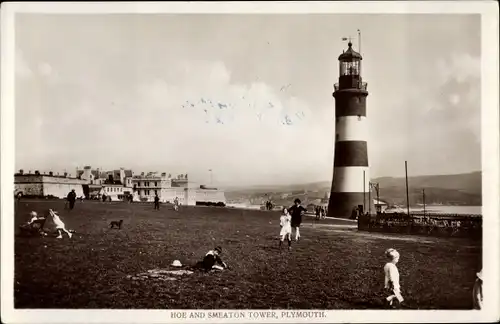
point(351, 128)
point(350, 179)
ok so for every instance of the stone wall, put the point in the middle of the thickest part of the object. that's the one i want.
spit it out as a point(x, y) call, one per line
point(45, 185)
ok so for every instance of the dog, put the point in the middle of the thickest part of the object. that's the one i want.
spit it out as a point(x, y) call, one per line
point(116, 223)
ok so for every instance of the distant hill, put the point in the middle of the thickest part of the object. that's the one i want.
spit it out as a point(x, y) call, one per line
point(456, 189)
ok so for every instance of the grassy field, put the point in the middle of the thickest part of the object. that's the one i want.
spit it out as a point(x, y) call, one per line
point(332, 267)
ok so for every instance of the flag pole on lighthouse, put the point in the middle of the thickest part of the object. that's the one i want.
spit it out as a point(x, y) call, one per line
point(359, 41)
point(359, 48)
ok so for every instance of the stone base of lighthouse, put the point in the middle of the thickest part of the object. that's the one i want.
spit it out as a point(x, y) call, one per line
point(341, 204)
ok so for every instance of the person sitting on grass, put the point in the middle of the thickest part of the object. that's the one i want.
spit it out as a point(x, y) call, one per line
point(60, 227)
point(29, 225)
point(34, 217)
point(391, 282)
point(212, 261)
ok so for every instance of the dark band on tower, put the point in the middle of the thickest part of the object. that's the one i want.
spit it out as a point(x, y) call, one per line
point(350, 184)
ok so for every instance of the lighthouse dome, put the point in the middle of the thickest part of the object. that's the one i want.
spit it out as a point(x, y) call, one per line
point(350, 54)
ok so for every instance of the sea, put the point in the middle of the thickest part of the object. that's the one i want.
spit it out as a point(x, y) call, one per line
point(439, 209)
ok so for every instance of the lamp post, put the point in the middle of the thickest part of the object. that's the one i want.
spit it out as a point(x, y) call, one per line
point(423, 197)
point(375, 185)
point(364, 193)
point(211, 178)
point(407, 194)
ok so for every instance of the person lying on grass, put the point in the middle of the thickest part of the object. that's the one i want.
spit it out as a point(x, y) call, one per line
point(60, 227)
point(391, 282)
point(212, 261)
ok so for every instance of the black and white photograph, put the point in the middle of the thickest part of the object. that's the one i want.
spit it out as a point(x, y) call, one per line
point(250, 162)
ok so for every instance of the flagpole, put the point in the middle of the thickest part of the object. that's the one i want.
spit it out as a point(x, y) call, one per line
point(359, 49)
point(407, 194)
point(359, 41)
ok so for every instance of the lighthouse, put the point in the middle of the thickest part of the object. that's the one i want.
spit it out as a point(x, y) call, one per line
point(351, 176)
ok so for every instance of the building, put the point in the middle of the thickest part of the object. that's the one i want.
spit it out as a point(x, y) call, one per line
point(47, 184)
point(380, 205)
point(351, 175)
point(114, 192)
point(147, 186)
point(203, 195)
point(115, 185)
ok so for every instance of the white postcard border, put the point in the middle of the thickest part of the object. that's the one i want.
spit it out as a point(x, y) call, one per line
point(490, 158)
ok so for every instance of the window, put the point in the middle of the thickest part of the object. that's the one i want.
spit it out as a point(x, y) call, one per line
point(156, 184)
point(156, 192)
point(147, 192)
point(349, 68)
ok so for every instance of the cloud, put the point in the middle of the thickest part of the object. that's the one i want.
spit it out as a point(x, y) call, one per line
point(438, 122)
point(203, 120)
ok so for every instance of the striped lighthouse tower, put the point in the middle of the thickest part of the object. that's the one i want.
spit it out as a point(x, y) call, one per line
point(350, 185)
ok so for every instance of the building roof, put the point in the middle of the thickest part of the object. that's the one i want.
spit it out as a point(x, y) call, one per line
point(379, 202)
point(350, 54)
point(128, 173)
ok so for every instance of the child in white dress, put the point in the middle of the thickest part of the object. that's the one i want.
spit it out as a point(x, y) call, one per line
point(286, 228)
point(60, 227)
point(391, 282)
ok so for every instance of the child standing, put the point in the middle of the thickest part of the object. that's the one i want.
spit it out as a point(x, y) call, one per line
point(286, 228)
point(391, 282)
point(477, 291)
point(60, 227)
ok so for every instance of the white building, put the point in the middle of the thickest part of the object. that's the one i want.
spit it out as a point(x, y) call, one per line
point(114, 192)
point(44, 185)
point(147, 186)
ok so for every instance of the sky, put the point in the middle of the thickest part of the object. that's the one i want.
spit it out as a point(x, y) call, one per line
point(248, 96)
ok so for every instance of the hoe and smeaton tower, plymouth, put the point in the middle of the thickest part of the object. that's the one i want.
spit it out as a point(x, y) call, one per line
point(351, 175)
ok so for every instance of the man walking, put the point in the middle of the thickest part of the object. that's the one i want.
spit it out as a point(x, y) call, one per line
point(157, 202)
point(71, 199)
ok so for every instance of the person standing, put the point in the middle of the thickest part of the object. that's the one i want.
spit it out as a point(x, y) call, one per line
point(71, 199)
point(296, 211)
point(391, 281)
point(176, 204)
point(286, 228)
point(157, 202)
point(318, 212)
point(477, 291)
